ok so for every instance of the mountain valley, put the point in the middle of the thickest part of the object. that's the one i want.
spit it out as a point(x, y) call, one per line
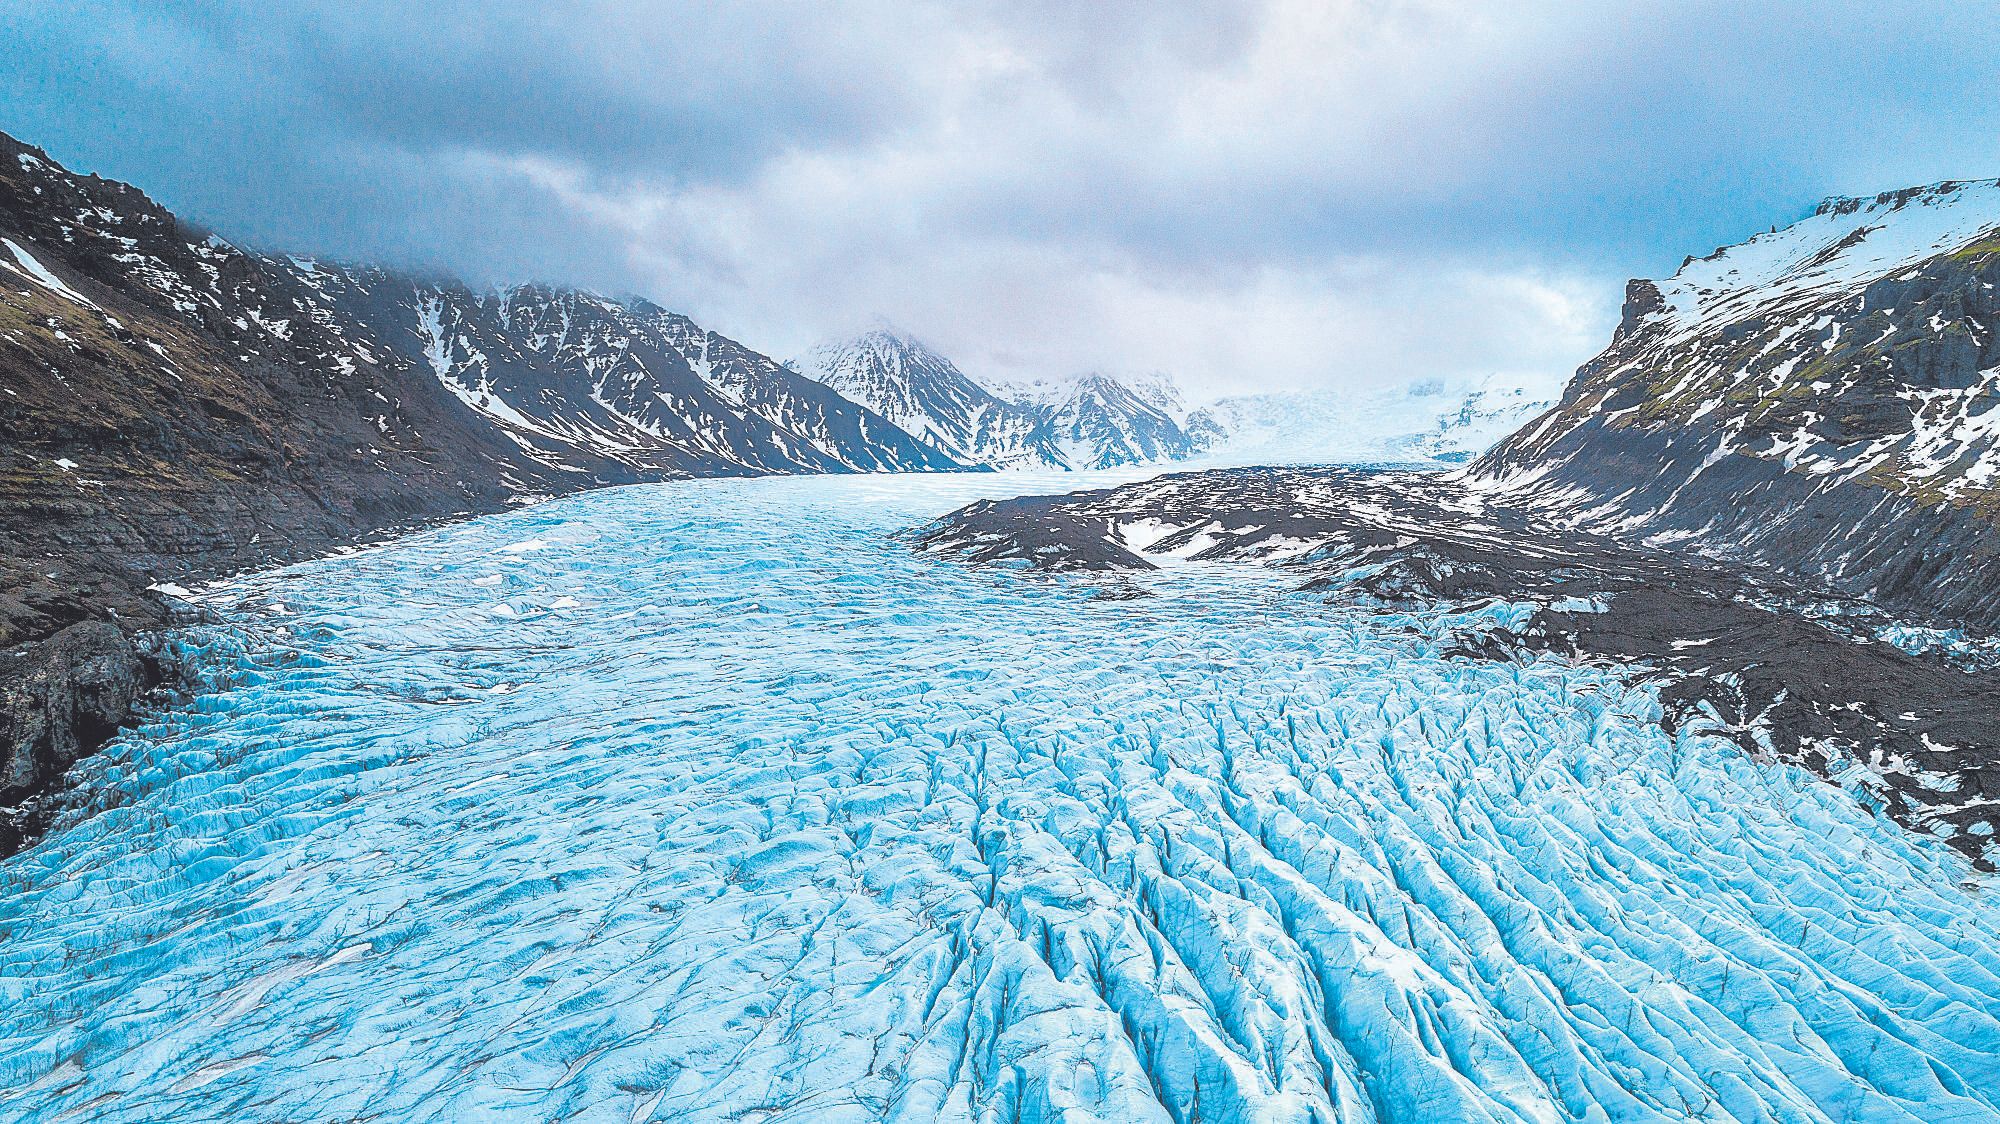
point(1774, 489)
point(176, 408)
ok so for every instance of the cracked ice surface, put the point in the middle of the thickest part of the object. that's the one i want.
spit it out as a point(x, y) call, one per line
point(718, 804)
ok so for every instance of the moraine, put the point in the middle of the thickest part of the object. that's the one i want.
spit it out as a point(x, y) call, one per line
point(716, 800)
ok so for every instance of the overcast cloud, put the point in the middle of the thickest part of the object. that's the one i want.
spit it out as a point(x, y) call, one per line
point(1251, 195)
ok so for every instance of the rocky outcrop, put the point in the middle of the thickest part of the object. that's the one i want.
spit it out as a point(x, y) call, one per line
point(60, 699)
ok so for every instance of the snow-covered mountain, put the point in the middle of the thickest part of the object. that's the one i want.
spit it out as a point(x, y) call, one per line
point(564, 372)
point(1103, 422)
point(1824, 398)
point(927, 396)
point(1156, 389)
point(1086, 422)
point(1432, 420)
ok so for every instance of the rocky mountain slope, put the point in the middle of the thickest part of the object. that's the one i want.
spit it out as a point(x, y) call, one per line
point(572, 377)
point(925, 394)
point(173, 405)
point(1820, 399)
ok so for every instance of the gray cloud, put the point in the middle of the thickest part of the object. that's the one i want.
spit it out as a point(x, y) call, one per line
point(1252, 193)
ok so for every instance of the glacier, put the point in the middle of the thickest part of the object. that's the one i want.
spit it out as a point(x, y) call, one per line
point(714, 801)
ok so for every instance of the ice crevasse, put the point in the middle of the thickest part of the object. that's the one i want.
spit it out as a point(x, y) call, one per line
point(713, 801)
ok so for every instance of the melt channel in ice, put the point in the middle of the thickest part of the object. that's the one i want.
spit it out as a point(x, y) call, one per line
point(713, 801)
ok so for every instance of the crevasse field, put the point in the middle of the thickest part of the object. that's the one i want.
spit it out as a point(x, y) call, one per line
point(711, 801)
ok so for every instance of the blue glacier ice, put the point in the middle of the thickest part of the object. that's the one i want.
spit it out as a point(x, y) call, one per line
point(713, 801)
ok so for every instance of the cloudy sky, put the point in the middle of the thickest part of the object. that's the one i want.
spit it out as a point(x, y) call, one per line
point(1248, 194)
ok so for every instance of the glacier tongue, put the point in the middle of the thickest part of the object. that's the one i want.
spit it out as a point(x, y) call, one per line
point(719, 803)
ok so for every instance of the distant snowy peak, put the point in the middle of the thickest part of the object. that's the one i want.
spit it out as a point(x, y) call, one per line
point(885, 366)
point(926, 395)
point(1162, 392)
point(1155, 388)
point(1430, 420)
point(848, 431)
point(1104, 422)
point(1101, 420)
point(1085, 422)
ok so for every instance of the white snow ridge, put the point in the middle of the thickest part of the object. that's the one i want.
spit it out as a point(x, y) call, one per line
point(742, 810)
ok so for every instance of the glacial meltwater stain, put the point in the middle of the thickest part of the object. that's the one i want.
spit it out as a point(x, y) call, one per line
point(714, 801)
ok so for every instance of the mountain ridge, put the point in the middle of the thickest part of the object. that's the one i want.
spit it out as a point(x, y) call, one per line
point(1820, 399)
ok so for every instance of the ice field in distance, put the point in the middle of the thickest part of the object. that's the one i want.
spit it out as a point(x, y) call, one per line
point(712, 801)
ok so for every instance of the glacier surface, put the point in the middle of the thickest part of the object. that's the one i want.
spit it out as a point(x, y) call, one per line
point(713, 801)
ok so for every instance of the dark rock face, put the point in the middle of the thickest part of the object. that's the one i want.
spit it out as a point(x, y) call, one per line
point(1820, 401)
point(173, 408)
point(60, 699)
point(1918, 733)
